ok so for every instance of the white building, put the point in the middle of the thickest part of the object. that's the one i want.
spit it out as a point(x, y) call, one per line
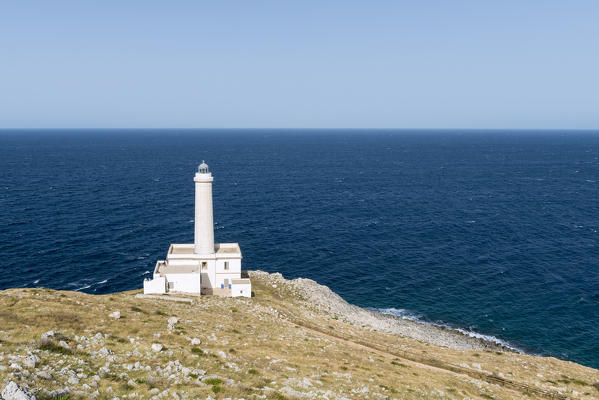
point(201, 267)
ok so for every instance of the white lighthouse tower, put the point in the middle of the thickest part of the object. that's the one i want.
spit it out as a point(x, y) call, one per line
point(203, 267)
point(204, 225)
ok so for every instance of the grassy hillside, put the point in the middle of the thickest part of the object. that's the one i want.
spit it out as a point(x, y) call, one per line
point(276, 345)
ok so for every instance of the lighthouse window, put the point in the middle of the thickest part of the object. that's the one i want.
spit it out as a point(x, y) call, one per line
point(226, 265)
point(204, 265)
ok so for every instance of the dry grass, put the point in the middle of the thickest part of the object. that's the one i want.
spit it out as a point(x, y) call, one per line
point(273, 345)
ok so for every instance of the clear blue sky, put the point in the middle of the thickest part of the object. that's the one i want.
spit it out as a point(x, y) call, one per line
point(298, 64)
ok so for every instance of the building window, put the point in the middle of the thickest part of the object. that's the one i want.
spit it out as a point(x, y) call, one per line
point(226, 265)
point(171, 285)
point(204, 265)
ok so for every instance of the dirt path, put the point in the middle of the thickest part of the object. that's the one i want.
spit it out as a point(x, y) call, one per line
point(520, 390)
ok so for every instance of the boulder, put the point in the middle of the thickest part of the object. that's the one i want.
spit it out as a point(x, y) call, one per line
point(195, 342)
point(172, 321)
point(64, 345)
point(115, 315)
point(48, 334)
point(105, 352)
point(12, 391)
point(156, 347)
point(44, 375)
point(31, 361)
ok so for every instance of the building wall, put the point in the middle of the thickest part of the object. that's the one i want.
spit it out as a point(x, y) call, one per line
point(220, 278)
point(155, 286)
point(188, 283)
point(241, 290)
point(234, 265)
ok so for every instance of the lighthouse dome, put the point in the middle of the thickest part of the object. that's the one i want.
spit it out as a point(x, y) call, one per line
point(203, 168)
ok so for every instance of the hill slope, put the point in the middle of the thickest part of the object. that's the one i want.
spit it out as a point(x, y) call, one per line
point(293, 340)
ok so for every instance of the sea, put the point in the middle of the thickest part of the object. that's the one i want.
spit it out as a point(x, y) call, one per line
point(494, 233)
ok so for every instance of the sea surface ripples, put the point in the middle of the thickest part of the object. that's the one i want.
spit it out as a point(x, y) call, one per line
point(491, 232)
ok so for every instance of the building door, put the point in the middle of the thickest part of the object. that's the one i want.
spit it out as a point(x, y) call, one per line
point(227, 284)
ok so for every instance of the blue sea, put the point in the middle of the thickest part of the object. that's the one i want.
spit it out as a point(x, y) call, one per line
point(491, 232)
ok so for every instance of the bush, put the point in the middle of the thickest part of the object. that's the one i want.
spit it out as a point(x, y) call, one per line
point(50, 345)
point(213, 381)
point(217, 389)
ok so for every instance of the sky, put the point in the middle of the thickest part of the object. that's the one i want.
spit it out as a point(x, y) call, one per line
point(525, 64)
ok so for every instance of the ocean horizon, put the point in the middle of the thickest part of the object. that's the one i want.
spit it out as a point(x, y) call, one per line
point(491, 232)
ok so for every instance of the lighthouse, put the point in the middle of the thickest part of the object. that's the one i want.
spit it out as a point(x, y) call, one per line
point(203, 222)
point(201, 267)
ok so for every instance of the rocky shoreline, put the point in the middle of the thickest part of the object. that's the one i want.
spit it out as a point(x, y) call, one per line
point(325, 300)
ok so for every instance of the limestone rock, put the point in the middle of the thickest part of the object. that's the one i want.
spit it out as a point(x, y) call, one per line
point(156, 347)
point(44, 375)
point(115, 315)
point(31, 361)
point(105, 352)
point(196, 341)
point(172, 321)
point(64, 345)
point(12, 391)
point(48, 334)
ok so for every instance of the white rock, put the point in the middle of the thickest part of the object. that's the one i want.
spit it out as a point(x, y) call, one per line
point(173, 320)
point(48, 334)
point(64, 345)
point(115, 315)
point(73, 380)
point(104, 351)
point(156, 347)
point(196, 341)
point(44, 375)
point(31, 361)
point(12, 391)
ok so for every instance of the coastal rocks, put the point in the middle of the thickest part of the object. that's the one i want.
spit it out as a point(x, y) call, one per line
point(157, 347)
point(324, 299)
point(12, 391)
point(115, 315)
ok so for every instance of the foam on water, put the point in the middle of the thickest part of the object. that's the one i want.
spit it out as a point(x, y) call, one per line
point(404, 314)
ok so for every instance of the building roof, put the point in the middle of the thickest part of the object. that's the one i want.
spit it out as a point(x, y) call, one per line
point(219, 249)
point(240, 281)
point(164, 268)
